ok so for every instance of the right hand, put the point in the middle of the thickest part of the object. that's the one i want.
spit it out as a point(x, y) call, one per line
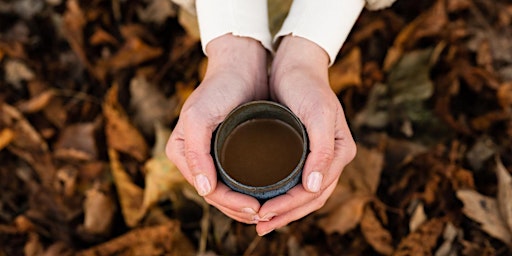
point(236, 73)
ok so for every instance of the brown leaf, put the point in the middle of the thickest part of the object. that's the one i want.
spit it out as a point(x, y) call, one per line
point(37, 103)
point(150, 106)
point(346, 216)
point(504, 193)
point(17, 71)
point(163, 179)
point(429, 23)
point(132, 53)
point(157, 11)
point(28, 143)
point(100, 36)
point(422, 241)
point(485, 210)
point(346, 72)
point(73, 23)
point(375, 234)
point(77, 141)
point(162, 240)
point(121, 134)
point(360, 177)
point(356, 186)
point(6, 136)
point(189, 22)
point(130, 195)
point(99, 210)
point(504, 95)
point(418, 217)
point(449, 234)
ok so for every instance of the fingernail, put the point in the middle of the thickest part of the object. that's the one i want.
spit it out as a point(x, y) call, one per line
point(265, 233)
point(202, 184)
point(268, 216)
point(314, 181)
point(248, 210)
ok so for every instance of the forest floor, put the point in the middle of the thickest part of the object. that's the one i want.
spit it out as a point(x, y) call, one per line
point(90, 91)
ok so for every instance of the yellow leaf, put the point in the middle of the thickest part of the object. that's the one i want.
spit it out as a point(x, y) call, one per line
point(130, 195)
point(120, 133)
point(163, 179)
point(6, 136)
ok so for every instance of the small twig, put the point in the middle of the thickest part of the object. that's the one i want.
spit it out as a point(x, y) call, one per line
point(252, 246)
point(205, 226)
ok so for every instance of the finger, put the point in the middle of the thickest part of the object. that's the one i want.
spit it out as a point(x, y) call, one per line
point(320, 127)
point(264, 227)
point(224, 197)
point(197, 140)
point(247, 216)
point(175, 151)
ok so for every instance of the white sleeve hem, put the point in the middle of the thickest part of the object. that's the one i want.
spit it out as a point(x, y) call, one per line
point(245, 18)
point(324, 22)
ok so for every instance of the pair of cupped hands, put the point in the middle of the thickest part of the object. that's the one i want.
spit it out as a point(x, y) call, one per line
point(237, 73)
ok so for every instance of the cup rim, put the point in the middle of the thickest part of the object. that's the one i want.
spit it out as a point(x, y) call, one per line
point(261, 189)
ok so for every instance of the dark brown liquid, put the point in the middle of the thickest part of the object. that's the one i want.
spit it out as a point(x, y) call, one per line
point(261, 152)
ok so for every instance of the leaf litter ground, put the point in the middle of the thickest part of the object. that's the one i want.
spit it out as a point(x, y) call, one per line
point(90, 91)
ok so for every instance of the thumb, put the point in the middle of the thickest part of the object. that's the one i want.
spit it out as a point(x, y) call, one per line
point(197, 145)
point(321, 146)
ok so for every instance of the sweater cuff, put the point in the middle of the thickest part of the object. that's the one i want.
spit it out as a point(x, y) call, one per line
point(324, 22)
point(246, 18)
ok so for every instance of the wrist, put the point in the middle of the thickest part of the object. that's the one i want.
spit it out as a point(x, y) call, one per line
point(297, 55)
point(243, 55)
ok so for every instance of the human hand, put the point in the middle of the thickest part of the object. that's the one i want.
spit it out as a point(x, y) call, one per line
point(299, 80)
point(236, 73)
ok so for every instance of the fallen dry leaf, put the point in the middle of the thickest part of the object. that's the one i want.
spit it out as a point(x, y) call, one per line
point(346, 72)
point(133, 52)
point(418, 217)
point(16, 71)
point(149, 105)
point(375, 234)
point(162, 177)
point(163, 240)
point(77, 141)
point(485, 210)
point(346, 216)
point(121, 134)
point(6, 136)
point(189, 22)
point(423, 240)
point(37, 103)
point(429, 23)
point(99, 211)
point(130, 195)
point(447, 248)
point(504, 95)
point(28, 143)
point(356, 187)
point(361, 176)
point(504, 196)
point(157, 11)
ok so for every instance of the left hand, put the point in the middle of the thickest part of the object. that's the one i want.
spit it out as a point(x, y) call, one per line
point(299, 80)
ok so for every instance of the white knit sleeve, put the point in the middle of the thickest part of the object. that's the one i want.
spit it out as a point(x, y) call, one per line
point(247, 18)
point(324, 22)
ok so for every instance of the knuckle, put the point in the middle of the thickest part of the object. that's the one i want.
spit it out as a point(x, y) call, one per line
point(325, 155)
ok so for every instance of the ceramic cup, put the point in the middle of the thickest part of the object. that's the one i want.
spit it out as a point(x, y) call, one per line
point(261, 113)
